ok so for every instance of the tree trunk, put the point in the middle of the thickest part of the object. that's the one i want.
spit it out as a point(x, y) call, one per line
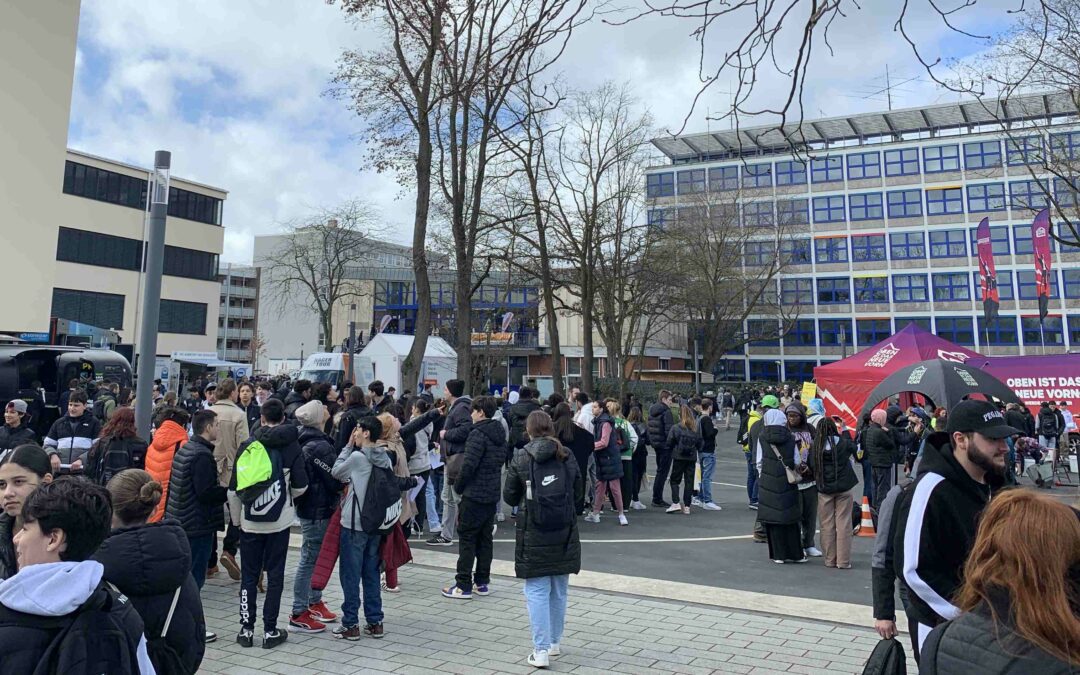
point(463, 337)
point(411, 367)
point(587, 384)
point(549, 296)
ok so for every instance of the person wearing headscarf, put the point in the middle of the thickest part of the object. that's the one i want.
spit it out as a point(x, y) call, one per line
point(778, 499)
point(879, 446)
point(808, 494)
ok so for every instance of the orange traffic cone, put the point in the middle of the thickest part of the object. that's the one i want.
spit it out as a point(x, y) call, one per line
point(866, 529)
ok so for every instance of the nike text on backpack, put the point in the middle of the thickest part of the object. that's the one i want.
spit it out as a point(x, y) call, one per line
point(382, 502)
point(550, 496)
point(260, 483)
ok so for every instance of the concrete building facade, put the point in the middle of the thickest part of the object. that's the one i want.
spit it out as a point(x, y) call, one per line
point(238, 313)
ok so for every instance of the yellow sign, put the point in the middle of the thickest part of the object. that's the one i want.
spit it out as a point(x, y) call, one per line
point(500, 339)
point(809, 391)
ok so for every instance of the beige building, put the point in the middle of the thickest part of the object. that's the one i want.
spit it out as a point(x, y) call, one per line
point(74, 223)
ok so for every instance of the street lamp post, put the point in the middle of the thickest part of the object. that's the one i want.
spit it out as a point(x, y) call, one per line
point(151, 302)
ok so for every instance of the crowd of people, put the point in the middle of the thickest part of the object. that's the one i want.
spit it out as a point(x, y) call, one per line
point(124, 531)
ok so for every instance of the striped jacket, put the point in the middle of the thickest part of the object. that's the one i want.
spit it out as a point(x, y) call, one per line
point(71, 437)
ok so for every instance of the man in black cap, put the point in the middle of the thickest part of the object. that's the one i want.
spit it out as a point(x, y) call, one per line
point(936, 520)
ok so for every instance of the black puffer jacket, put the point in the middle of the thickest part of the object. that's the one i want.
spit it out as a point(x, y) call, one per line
point(485, 453)
point(8, 564)
point(292, 402)
point(608, 462)
point(148, 563)
point(253, 412)
point(659, 424)
point(684, 443)
point(778, 500)
point(973, 644)
point(12, 438)
point(832, 470)
point(321, 498)
point(457, 425)
point(195, 498)
point(516, 419)
point(879, 446)
point(538, 553)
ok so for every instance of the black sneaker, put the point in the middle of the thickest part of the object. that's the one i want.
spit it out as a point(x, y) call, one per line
point(246, 637)
point(439, 540)
point(374, 630)
point(661, 503)
point(344, 632)
point(273, 638)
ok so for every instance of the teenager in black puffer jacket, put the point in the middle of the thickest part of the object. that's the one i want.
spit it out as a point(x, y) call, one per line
point(685, 442)
point(608, 463)
point(778, 500)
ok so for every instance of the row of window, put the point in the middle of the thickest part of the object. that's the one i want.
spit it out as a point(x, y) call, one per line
point(102, 185)
point(402, 294)
point(106, 310)
point(106, 250)
point(976, 155)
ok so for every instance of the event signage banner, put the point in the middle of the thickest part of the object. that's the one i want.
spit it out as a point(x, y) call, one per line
point(987, 272)
point(1040, 244)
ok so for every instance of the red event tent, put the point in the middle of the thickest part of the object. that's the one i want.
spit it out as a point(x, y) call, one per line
point(844, 385)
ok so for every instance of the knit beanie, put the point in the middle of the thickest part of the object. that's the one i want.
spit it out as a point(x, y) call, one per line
point(310, 414)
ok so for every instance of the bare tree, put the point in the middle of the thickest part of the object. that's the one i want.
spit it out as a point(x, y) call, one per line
point(258, 349)
point(311, 265)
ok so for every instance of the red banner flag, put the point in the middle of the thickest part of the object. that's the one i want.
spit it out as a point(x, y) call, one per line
point(987, 271)
point(1040, 244)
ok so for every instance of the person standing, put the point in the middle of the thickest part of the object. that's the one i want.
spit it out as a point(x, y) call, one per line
point(454, 434)
point(21, 472)
point(639, 459)
point(519, 412)
point(355, 408)
point(300, 394)
point(576, 439)
point(684, 440)
point(831, 462)
point(584, 417)
point(15, 432)
point(707, 456)
point(545, 483)
point(659, 425)
point(170, 435)
point(879, 448)
point(248, 404)
point(233, 431)
point(1048, 428)
point(936, 520)
point(629, 442)
point(71, 436)
point(608, 464)
point(808, 497)
point(118, 448)
point(778, 498)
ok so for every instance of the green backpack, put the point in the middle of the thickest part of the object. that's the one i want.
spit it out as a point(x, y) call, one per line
point(253, 471)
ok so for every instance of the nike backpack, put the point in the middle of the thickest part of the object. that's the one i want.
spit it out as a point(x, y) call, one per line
point(550, 495)
point(260, 483)
point(382, 502)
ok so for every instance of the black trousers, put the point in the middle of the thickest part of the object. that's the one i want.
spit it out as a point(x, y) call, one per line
point(421, 502)
point(639, 463)
point(260, 552)
point(883, 482)
point(663, 466)
point(475, 545)
point(682, 471)
point(626, 482)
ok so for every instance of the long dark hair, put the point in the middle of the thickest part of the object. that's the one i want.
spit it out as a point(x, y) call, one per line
point(826, 431)
point(563, 420)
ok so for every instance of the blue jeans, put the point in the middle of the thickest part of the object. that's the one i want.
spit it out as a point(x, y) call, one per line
point(751, 479)
point(433, 495)
point(303, 595)
point(545, 598)
point(708, 466)
point(200, 556)
point(359, 563)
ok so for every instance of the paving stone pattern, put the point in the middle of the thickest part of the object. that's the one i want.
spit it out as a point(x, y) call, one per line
point(605, 633)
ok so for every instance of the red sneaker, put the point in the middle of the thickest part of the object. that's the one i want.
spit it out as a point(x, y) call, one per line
point(304, 622)
point(321, 612)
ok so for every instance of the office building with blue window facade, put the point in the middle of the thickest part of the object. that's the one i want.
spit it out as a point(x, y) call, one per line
point(881, 211)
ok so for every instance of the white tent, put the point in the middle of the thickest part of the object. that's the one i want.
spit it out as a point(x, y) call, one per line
point(387, 352)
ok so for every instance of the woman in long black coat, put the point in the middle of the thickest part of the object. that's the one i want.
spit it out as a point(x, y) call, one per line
point(778, 500)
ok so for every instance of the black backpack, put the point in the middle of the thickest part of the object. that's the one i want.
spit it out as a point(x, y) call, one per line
point(161, 653)
point(382, 502)
point(1047, 425)
point(551, 498)
point(99, 406)
point(621, 441)
point(94, 641)
point(888, 658)
point(264, 501)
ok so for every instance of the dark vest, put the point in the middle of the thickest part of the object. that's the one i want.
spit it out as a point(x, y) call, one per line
point(196, 519)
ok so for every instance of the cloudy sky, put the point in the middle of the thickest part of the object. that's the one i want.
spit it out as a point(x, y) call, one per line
point(236, 91)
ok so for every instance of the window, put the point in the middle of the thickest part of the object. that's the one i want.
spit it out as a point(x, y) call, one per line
point(790, 173)
point(872, 331)
point(829, 209)
point(988, 197)
point(956, 329)
point(903, 162)
point(758, 253)
point(1026, 150)
point(999, 239)
point(1074, 330)
point(664, 364)
point(827, 169)
point(831, 249)
point(178, 316)
point(941, 158)
point(763, 332)
point(947, 244)
point(871, 290)
point(1004, 285)
point(194, 206)
point(1071, 279)
point(190, 264)
point(951, 287)
point(907, 246)
point(757, 176)
point(920, 321)
point(864, 165)
point(104, 310)
point(793, 211)
point(1066, 145)
point(795, 292)
point(1000, 331)
point(799, 371)
point(91, 182)
point(724, 215)
point(909, 288)
point(1066, 192)
point(697, 216)
point(1047, 332)
point(834, 332)
point(1022, 240)
point(1025, 285)
point(866, 206)
point(722, 178)
point(905, 203)
point(833, 291)
point(801, 334)
point(691, 181)
point(1029, 194)
point(795, 251)
point(768, 371)
point(657, 218)
point(573, 366)
point(944, 202)
point(758, 214)
point(103, 250)
point(660, 185)
point(867, 247)
point(982, 155)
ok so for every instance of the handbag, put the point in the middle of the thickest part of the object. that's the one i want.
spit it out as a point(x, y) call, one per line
point(394, 549)
point(793, 476)
point(453, 466)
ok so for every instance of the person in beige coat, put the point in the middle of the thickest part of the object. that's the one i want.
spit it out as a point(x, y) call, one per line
point(232, 433)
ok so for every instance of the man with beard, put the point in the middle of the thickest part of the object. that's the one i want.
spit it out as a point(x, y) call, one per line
point(936, 520)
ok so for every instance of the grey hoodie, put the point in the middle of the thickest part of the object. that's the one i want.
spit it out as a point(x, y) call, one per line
point(353, 465)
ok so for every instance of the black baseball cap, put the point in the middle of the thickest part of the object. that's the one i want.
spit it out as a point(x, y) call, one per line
point(982, 417)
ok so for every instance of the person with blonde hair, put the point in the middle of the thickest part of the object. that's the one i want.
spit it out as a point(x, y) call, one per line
point(626, 450)
point(1018, 596)
point(684, 441)
point(395, 450)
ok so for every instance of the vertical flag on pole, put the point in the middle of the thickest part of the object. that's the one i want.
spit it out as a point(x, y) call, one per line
point(987, 272)
point(1040, 243)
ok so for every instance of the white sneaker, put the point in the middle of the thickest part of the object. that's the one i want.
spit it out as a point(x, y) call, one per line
point(499, 517)
point(623, 520)
point(674, 508)
point(494, 529)
point(638, 506)
point(592, 518)
point(538, 659)
point(813, 552)
point(554, 650)
point(710, 506)
point(695, 501)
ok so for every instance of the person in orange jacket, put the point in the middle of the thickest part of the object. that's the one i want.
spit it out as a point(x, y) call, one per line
point(170, 435)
